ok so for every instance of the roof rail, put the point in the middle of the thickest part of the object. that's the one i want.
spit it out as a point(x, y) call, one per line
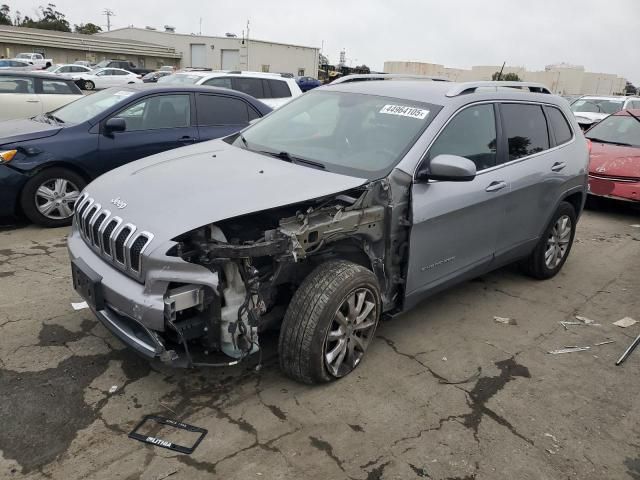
point(385, 76)
point(471, 87)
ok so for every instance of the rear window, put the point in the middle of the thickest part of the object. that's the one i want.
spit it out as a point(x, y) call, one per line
point(597, 105)
point(279, 88)
point(220, 110)
point(559, 125)
point(526, 129)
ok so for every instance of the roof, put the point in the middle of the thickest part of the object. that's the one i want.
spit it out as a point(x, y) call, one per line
point(36, 37)
point(221, 73)
point(608, 97)
point(213, 37)
point(436, 92)
point(32, 74)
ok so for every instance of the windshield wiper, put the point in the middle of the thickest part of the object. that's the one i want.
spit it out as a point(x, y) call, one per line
point(50, 115)
point(599, 140)
point(286, 156)
point(244, 140)
point(634, 116)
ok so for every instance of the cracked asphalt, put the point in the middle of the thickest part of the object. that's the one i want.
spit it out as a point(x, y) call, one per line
point(445, 392)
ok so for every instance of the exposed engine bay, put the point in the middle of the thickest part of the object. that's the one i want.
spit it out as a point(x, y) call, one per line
point(261, 258)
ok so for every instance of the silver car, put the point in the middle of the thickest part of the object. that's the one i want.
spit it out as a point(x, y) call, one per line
point(354, 201)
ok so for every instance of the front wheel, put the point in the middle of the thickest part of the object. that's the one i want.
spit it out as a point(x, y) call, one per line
point(329, 323)
point(89, 85)
point(49, 197)
point(554, 246)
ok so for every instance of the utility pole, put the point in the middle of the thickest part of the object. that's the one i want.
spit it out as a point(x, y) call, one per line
point(108, 13)
point(248, 45)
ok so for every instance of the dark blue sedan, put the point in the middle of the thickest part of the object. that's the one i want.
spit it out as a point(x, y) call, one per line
point(47, 160)
point(307, 83)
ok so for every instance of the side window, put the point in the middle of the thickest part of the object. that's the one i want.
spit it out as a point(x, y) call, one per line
point(56, 87)
point(102, 73)
point(634, 104)
point(559, 125)
point(162, 111)
point(470, 134)
point(222, 82)
point(250, 86)
point(120, 72)
point(219, 110)
point(279, 89)
point(16, 85)
point(525, 128)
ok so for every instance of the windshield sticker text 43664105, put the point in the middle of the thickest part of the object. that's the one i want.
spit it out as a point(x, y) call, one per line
point(403, 111)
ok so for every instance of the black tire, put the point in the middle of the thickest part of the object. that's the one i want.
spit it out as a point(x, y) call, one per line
point(535, 265)
point(312, 312)
point(29, 203)
point(88, 85)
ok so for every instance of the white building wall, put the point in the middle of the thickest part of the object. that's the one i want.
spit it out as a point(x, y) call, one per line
point(562, 79)
point(252, 54)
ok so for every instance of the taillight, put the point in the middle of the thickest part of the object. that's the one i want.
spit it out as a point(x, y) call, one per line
point(589, 145)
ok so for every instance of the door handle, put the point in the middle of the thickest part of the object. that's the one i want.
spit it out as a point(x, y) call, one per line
point(187, 139)
point(558, 166)
point(495, 186)
point(33, 101)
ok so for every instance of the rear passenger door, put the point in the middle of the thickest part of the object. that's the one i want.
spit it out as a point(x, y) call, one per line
point(534, 169)
point(54, 93)
point(18, 98)
point(221, 115)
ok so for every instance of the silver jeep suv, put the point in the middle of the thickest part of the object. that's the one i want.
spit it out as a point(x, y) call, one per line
point(354, 201)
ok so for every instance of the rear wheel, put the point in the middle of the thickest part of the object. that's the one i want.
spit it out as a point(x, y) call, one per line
point(554, 246)
point(89, 85)
point(329, 323)
point(49, 197)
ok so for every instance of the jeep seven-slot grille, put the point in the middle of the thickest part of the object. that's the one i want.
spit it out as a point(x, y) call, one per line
point(118, 242)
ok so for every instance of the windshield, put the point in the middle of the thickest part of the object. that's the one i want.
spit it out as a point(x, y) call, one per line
point(353, 134)
point(180, 79)
point(89, 106)
point(102, 64)
point(597, 105)
point(620, 129)
point(52, 68)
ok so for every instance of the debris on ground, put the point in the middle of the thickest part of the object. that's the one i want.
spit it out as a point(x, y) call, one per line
point(581, 321)
point(113, 389)
point(568, 350)
point(444, 359)
point(635, 225)
point(201, 432)
point(603, 343)
point(628, 351)
point(625, 322)
point(79, 305)
point(586, 321)
point(505, 320)
point(552, 437)
point(556, 444)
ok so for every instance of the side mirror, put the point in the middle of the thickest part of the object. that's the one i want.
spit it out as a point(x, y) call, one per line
point(115, 125)
point(448, 168)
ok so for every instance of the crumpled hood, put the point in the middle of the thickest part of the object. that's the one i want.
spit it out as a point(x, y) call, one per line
point(176, 191)
point(589, 117)
point(614, 160)
point(12, 131)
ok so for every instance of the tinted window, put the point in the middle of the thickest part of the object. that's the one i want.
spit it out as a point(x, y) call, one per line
point(525, 128)
point(279, 89)
point(559, 125)
point(120, 72)
point(219, 82)
point(56, 87)
point(219, 110)
point(250, 86)
point(16, 85)
point(470, 134)
point(165, 111)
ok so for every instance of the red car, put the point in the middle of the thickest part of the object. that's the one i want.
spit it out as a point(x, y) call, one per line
point(614, 167)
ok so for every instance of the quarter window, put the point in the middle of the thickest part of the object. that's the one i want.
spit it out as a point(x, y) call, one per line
point(470, 134)
point(279, 89)
point(16, 85)
point(559, 124)
point(525, 128)
point(165, 111)
point(250, 86)
point(219, 110)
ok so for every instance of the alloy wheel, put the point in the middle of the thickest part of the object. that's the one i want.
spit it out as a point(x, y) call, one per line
point(558, 242)
point(350, 332)
point(56, 198)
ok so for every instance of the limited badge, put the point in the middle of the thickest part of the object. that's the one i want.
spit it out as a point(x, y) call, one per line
point(403, 111)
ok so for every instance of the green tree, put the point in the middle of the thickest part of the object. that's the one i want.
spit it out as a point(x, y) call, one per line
point(49, 19)
point(87, 28)
point(630, 89)
point(5, 19)
point(506, 77)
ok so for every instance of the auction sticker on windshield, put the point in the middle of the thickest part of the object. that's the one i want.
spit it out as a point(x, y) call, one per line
point(123, 93)
point(403, 111)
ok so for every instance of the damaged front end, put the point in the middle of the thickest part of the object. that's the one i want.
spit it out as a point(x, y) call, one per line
point(260, 259)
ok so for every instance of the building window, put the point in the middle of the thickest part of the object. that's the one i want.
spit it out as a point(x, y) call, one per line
point(301, 72)
point(265, 68)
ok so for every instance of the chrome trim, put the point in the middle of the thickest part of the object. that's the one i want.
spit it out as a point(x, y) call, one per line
point(101, 229)
point(615, 179)
point(460, 88)
point(112, 238)
point(91, 221)
point(149, 237)
point(106, 314)
point(124, 244)
point(85, 213)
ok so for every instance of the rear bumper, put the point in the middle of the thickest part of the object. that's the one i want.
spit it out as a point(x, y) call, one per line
point(11, 183)
point(612, 188)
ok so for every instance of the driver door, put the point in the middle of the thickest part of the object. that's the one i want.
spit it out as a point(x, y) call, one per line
point(456, 224)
